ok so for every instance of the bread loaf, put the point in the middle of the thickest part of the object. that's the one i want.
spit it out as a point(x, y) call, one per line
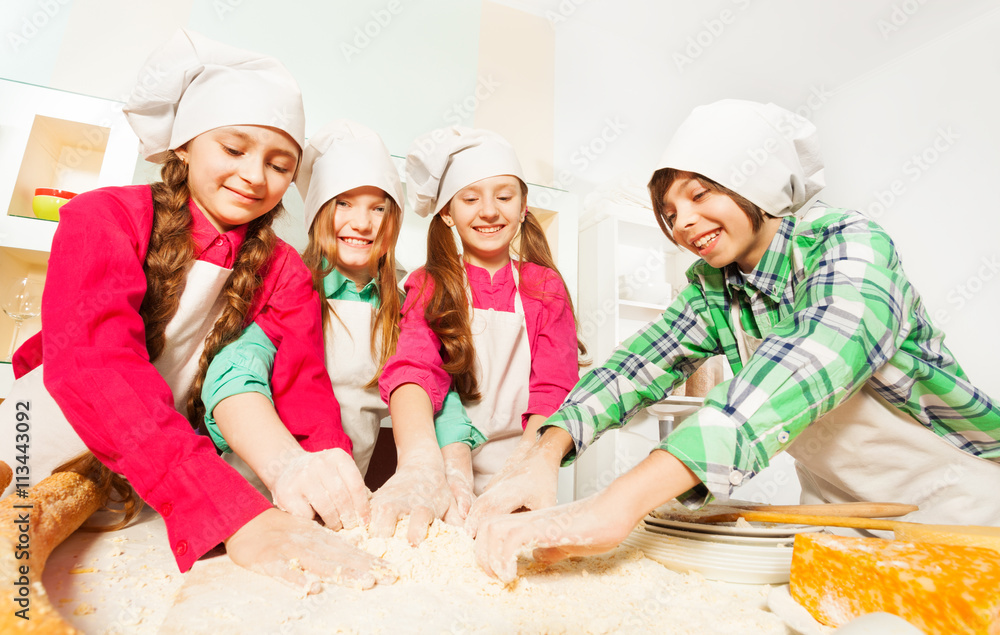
point(937, 588)
point(35, 525)
point(6, 474)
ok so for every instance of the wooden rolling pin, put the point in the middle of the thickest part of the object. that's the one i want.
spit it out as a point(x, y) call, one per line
point(967, 535)
point(732, 511)
point(856, 510)
point(54, 509)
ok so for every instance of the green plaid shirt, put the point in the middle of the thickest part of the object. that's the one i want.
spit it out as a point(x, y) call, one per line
point(834, 309)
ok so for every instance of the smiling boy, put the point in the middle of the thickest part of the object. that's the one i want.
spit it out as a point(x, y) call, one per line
point(834, 357)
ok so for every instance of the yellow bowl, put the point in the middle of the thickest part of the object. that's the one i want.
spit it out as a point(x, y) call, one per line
point(46, 202)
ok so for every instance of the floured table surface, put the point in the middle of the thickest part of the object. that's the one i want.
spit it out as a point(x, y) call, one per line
point(127, 582)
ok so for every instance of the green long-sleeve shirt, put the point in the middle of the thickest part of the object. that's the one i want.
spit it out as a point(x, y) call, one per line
point(245, 366)
point(835, 310)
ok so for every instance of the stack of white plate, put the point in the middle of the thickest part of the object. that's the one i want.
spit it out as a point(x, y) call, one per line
point(756, 553)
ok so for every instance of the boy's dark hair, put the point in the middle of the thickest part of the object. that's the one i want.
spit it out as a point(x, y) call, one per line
point(664, 178)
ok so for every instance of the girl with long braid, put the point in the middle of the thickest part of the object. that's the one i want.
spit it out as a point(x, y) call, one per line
point(147, 283)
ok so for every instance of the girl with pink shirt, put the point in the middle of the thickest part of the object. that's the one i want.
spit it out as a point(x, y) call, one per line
point(146, 283)
point(497, 329)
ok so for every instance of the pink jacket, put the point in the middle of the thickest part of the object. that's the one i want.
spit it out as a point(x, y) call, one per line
point(97, 368)
point(550, 325)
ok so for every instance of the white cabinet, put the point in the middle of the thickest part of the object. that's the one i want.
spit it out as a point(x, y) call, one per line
point(629, 273)
point(58, 140)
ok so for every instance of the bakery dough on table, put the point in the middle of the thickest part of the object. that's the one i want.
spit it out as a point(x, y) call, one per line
point(127, 582)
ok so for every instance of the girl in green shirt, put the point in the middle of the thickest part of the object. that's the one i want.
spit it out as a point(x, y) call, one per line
point(353, 210)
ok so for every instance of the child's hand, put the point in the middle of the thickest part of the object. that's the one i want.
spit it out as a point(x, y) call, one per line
point(586, 527)
point(529, 479)
point(303, 554)
point(458, 471)
point(327, 484)
point(418, 488)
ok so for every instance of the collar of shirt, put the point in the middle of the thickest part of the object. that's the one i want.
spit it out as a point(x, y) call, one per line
point(482, 277)
point(771, 274)
point(209, 244)
point(496, 292)
point(337, 286)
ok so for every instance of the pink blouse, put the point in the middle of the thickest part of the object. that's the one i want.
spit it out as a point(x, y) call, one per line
point(550, 325)
point(97, 368)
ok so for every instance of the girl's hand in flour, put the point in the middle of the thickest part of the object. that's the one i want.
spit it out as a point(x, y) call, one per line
point(458, 471)
point(528, 479)
point(419, 489)
point(327, 484)
point(301, 553)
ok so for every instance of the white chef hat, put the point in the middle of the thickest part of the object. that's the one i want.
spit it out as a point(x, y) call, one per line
point(193, 84)
point(766, 154)
point(445, 160)
point(344, 155)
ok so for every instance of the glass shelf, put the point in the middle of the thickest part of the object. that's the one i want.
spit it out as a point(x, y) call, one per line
point(58, 140)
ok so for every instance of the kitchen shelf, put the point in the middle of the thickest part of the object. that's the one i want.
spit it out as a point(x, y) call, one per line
point(659, 308)
point(676, 406)
point(60, 155)
point(59, 140)
point(18, 263)
point(631, 273)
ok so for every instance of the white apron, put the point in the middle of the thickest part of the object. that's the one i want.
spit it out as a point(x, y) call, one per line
point(868, 450)
point(351, 365)
point(53, 439)
point(503, 369)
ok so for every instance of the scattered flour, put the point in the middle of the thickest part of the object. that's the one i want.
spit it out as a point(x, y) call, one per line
point(442, 589)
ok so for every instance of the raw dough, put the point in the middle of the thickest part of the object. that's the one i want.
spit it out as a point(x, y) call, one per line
point(440, 589)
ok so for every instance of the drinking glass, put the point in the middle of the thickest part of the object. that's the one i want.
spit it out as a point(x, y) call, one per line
point(22, 301)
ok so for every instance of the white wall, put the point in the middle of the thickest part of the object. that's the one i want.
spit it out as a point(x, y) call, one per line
point(884, 80)
point(398, 66)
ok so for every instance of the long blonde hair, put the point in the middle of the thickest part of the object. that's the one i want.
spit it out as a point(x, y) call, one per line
point(321, 258)
point(170, 253)
point(447, 311)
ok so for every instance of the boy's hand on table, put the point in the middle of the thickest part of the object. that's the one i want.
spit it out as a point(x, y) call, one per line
point(419, 489)
point(586, 527)
point(301, 553)
point(327, 484)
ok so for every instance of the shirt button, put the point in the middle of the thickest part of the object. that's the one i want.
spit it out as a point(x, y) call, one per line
point(219, 241)
point(166, 510)
point(735, 477)
point(783, 436)
point(181, 548)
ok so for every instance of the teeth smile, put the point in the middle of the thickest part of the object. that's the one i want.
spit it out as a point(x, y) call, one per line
point(357, 242)
point(706, 239)
point(488, 230)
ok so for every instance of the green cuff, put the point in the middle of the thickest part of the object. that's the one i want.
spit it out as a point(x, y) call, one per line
point(243, 366)
point(453, 425)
